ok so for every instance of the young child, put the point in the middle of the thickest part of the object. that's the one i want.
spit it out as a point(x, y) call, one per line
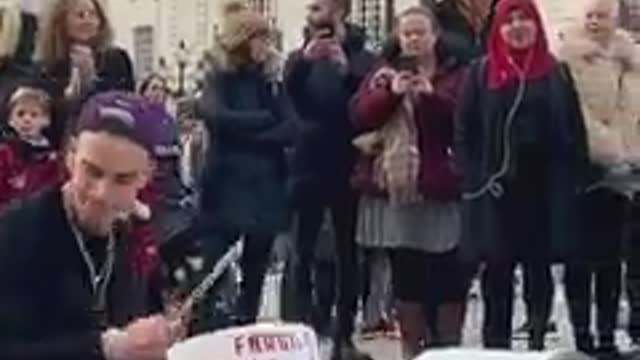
point(28, 163)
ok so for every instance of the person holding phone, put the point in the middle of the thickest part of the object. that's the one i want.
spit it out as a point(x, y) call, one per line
point(410, 191)
point(320, 78)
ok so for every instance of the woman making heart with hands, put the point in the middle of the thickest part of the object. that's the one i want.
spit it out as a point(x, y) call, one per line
point(409, 189)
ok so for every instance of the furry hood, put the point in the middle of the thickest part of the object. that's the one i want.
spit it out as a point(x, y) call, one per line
point(219, 60)
point(576, 45)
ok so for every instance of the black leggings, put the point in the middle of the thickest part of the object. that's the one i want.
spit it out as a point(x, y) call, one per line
point(428, 278)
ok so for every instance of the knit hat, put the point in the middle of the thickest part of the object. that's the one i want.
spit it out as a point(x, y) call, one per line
point(240, 24)
point(129, 115)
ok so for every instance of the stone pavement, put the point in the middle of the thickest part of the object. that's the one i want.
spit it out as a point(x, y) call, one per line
point(385, 349)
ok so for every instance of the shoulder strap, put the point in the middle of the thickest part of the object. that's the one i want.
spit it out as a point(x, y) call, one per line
point(481, 70)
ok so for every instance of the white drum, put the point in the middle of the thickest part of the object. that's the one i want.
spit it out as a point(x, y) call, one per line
point(476, 354)
point(255, 342)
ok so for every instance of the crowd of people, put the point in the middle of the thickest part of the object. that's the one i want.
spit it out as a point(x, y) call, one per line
point(463, 148)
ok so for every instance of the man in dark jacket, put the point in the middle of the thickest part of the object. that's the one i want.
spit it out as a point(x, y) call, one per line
point(321, 78)
point(67, 291)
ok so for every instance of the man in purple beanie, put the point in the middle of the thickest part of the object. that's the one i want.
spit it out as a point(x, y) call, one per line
point(66, 285)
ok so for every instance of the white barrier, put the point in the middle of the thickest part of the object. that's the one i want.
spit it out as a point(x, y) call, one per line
point(475, 354)
point(255, 342)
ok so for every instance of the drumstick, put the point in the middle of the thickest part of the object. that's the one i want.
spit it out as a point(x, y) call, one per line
point(199, 292)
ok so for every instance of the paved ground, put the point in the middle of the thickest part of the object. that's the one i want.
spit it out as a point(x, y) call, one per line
point(384, 349)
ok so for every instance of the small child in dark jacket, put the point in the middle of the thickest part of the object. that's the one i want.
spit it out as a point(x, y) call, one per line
point(28, 162)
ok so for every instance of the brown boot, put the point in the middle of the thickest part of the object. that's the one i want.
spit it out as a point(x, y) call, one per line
point(413, 328)
point(450, 322)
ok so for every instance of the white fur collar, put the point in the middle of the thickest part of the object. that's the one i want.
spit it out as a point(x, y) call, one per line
point(576, 45)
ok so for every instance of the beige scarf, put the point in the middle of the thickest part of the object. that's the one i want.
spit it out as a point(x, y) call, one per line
point(396, 165)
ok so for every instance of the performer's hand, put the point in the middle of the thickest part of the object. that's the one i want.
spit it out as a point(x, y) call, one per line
point(178, 322)
point(144, 339)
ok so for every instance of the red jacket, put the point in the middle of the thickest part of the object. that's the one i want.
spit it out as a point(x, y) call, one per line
point(24, 171)
point(145, 254)
point(373, 105)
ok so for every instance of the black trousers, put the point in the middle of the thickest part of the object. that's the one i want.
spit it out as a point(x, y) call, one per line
point(498, 294)
point(525, 229)
point(632, 279)
point(578, 281)
point(531, 275)
point(310, 213)
point(604, 221)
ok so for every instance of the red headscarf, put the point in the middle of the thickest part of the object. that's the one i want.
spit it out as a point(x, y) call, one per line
point(535, 61)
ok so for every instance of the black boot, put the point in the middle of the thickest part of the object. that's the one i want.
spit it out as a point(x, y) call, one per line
point(536, 339)
point(584, 341)
point(607, 349)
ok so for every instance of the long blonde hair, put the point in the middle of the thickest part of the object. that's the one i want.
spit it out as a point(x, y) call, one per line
point(53, 42)
point(10, 27)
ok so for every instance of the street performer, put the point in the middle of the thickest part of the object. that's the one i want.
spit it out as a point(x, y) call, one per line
point(66, 283)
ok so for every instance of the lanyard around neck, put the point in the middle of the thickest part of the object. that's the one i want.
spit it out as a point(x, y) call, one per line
point(99, 279)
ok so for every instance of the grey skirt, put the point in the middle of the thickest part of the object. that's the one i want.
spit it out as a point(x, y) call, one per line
point(433, 227)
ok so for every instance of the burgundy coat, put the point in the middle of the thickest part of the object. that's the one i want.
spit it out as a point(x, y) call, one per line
point(24, 172)
point(373, 105)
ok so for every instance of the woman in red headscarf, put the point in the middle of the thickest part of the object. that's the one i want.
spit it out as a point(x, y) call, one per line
point(520, 143)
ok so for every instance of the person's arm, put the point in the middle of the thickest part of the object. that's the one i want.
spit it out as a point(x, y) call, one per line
point(115, 72)
point(123, 78)
point(320, 86)
point(360, 65)
point(466, 116)
point(58, 347)
point(23, 308)
point(5, 188)
point(443, 102)
point(281, 134)
point(578, 122)
point(374, 103)
point(212, 108)
point(296, 71)
point(285, 130)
